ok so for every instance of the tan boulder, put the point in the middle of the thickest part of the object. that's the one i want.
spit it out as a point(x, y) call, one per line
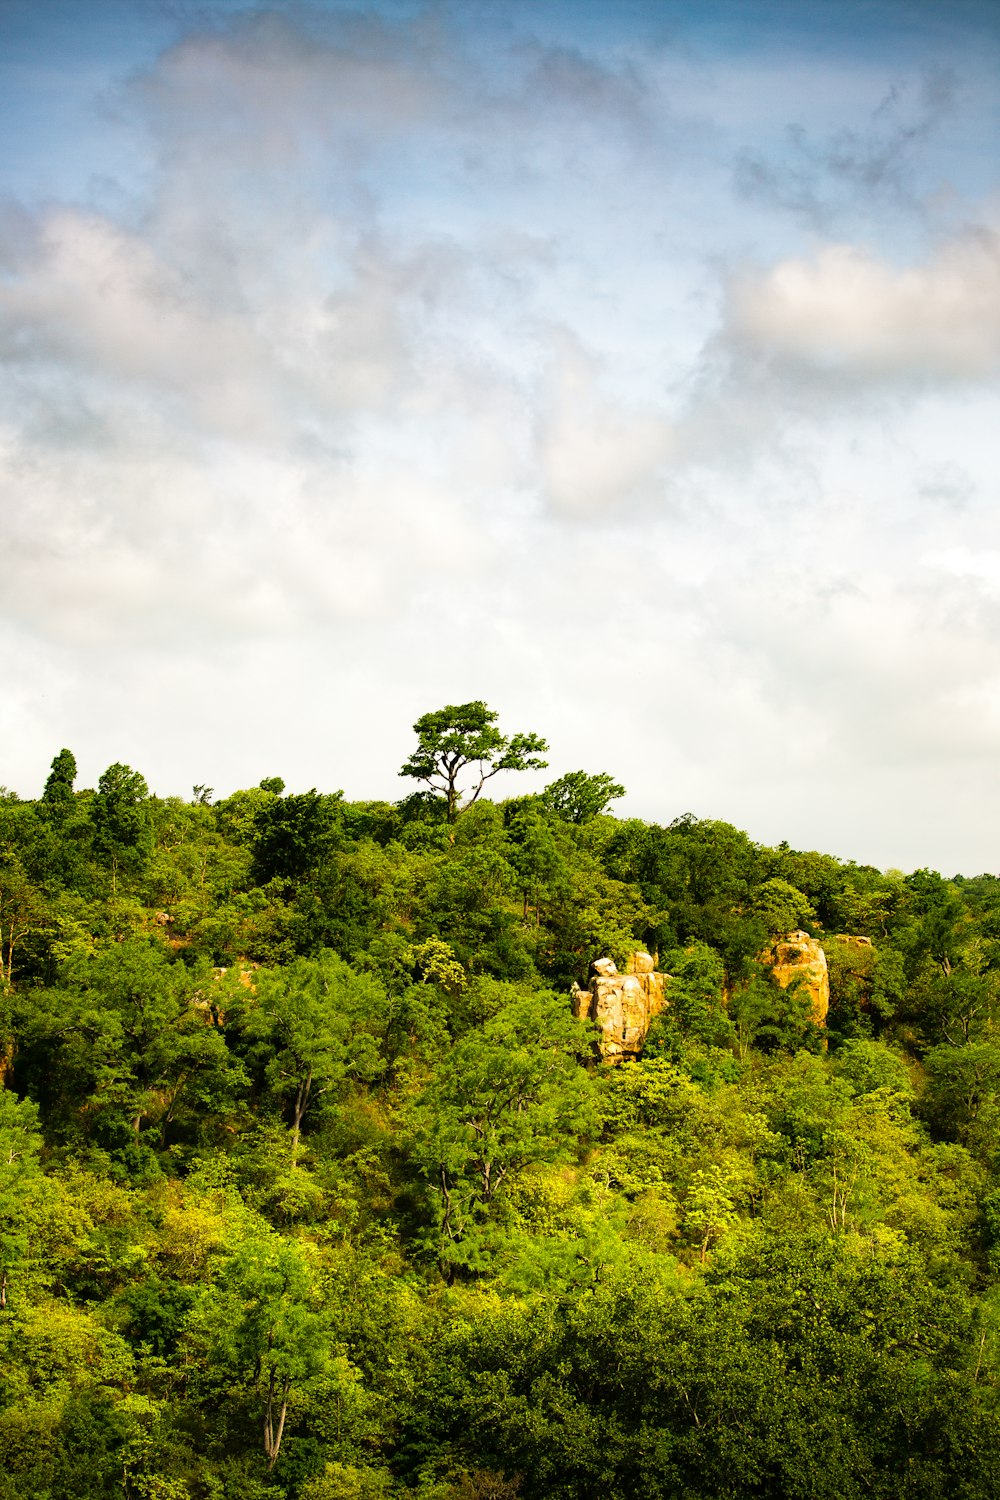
point(799, 959)
point(622, 1005)
point(580, 1002)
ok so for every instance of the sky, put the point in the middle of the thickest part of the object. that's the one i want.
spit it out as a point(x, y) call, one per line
point(631, 366)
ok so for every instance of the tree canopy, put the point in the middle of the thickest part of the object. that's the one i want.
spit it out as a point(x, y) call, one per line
point(465, 736)
point(313, 1185)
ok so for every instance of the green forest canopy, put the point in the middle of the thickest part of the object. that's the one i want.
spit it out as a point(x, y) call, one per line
point(310, 1185)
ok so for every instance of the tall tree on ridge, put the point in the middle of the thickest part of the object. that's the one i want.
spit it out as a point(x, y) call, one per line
point(465, 734)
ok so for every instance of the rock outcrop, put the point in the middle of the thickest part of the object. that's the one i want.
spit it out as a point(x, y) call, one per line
point(799, 959)
point(622, 1005)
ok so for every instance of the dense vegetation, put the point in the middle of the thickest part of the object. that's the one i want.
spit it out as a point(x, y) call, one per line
point(310, 1186)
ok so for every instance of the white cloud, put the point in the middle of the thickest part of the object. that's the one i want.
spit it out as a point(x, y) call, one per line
point(594, 452)
point(260, 89)
point(849, 314)
point(92, 297)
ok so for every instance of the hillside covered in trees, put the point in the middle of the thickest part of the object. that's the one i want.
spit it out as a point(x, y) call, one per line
point(311, 1184)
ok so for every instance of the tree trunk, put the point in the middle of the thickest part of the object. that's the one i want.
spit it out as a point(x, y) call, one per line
point(273, 1434)
point(298, 1110)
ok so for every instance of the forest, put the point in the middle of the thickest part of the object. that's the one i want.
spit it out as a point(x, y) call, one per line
point(313, 1186)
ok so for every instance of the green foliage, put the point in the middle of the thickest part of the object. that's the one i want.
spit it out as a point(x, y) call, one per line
point(696, 999)
point(464, 735)
point(307, 1028)
point(962, 1098)
point(504, 1097)
point(265, 1324)
point(293, 834)
point(867, 985)
point(123, 833)
point(20, 1146)
point(128, 1041)
point(310, 1186)
point(25, 916)
point(770, 1018)
point(578, 798)
point(782, 907)
point(57, 798)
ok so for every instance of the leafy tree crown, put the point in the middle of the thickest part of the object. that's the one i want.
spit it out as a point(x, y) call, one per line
point(466, 735)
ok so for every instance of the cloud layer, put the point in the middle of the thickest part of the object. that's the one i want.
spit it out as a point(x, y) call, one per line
point(845, 312)
point(384, 362)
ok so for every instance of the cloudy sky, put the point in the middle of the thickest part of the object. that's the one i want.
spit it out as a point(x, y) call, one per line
point(632, 365)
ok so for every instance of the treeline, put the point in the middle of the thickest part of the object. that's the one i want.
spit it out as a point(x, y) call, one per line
point(310, 1185)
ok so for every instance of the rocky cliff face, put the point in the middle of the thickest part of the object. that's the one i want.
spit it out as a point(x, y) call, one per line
point(622, 1005)
point(798, 958)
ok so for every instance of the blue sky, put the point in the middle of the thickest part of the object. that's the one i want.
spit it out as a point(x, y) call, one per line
point(632, 366)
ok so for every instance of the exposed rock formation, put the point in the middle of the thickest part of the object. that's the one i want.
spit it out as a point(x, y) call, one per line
point(621, 1004)
point(798, 958)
